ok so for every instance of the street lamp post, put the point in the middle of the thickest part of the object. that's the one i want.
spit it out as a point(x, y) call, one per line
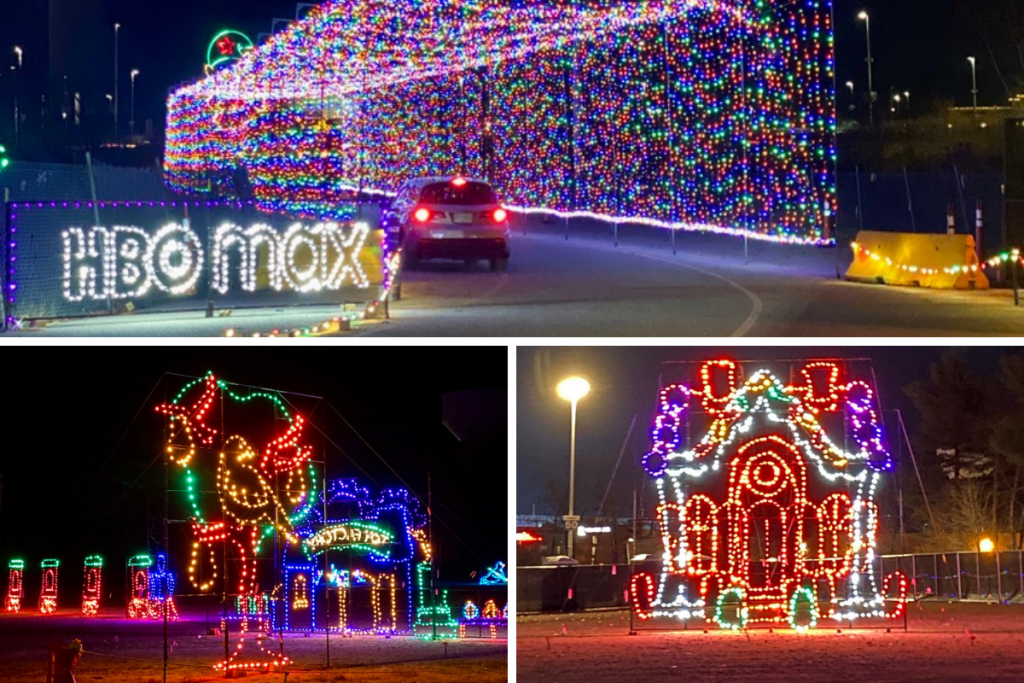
point(135, 72)
point(974, 80)
point(117, 35)
point(906, 94)
point(572, 390)
point(17, 103)
point(866, 18)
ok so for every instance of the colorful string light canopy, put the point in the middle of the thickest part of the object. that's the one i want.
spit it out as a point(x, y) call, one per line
point(766, 519)
point(699, 115)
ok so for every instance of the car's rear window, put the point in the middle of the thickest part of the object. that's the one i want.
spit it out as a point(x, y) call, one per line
point(465, 195)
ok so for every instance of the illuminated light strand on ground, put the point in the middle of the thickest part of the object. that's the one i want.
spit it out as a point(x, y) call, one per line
point(691, 118)
point(767, 484)
point(1011, 256)
point(48, 589)
point(92, 585)
point(15, 586)
point(861, 250)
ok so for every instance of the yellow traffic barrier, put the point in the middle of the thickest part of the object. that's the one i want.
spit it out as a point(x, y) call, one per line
point(919, 260)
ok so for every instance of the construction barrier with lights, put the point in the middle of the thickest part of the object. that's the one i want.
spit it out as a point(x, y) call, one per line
point(700, 115)
point(764, 518)
point(922, 260)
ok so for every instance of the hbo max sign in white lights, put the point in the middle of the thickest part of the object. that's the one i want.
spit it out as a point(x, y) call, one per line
point(128, 262)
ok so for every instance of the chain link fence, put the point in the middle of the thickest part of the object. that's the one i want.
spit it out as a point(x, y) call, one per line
point(38, 182)
point(949, 576)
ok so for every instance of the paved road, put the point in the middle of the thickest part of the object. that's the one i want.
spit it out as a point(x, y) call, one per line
point(587, 287)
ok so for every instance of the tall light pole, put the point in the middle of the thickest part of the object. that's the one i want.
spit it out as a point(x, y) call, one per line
point(906, 94)
point(866, 18)
point(17, 103)
point(135, 72)
point(117, 36)
point(974, 80)
point(572, 390)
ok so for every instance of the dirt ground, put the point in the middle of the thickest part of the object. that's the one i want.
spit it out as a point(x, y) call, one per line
point(118, 650)
point(946, 642)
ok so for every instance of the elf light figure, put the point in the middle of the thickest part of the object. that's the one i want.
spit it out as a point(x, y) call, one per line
point(138, 570)
point(765, 519)
point(48, 591)
point(15, 586)
point(161, 591)
point(91, 588)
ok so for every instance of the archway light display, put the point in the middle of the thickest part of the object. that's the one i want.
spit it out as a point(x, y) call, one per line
point(699, 115)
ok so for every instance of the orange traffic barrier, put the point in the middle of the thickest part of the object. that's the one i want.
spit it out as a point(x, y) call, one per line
point(920, 260)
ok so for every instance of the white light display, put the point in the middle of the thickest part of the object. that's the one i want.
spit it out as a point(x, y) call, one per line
point(125, 262)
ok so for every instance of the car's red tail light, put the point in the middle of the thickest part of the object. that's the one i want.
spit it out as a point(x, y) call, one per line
point(422, 215)
point(500, 215)
point(458, 182)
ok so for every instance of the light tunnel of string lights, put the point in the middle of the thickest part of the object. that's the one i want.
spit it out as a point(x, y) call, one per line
point(698, 115)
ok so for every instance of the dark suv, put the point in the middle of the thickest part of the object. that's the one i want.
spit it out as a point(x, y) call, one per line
point(448, 218)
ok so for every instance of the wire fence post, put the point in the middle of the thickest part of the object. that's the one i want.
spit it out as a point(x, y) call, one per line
point(913, 573)
point(977, 566)
point(999, 578)
point(959, 576)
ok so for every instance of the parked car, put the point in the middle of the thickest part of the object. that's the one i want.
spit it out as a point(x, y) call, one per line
point(448, 218)
point(558, 560)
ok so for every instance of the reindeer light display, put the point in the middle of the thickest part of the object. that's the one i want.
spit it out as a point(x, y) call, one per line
point(247, 485)
point(274, 489)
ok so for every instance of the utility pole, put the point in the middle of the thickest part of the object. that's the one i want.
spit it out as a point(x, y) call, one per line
point(866, 18)
point(430, 537)
point(117, 37)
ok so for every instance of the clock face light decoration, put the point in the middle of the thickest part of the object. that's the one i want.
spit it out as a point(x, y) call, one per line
point(696, 115)
point(138, 572)
point(92, 586)
point(15, 586)
point(48, 589)
point(766, 520)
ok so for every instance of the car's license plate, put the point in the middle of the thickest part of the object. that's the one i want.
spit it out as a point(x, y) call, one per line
point(462, 218)
point(447, 234)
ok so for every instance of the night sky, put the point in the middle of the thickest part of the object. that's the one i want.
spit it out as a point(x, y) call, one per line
point(68, 492)
point(625, 381)
point(920, 45)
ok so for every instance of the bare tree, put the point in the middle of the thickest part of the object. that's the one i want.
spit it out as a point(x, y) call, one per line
point(966, 511)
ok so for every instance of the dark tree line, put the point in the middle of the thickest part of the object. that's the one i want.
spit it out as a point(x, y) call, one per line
point(970, 450)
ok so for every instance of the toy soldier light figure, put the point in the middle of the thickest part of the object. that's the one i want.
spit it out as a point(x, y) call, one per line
point(161, 590)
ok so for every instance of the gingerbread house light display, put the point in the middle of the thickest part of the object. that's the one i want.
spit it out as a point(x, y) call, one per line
point(766, 518)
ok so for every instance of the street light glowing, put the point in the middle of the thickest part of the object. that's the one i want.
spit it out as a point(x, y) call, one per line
point(971, 60)
point(573, 389)
point(863, 16)
point(986, 545)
